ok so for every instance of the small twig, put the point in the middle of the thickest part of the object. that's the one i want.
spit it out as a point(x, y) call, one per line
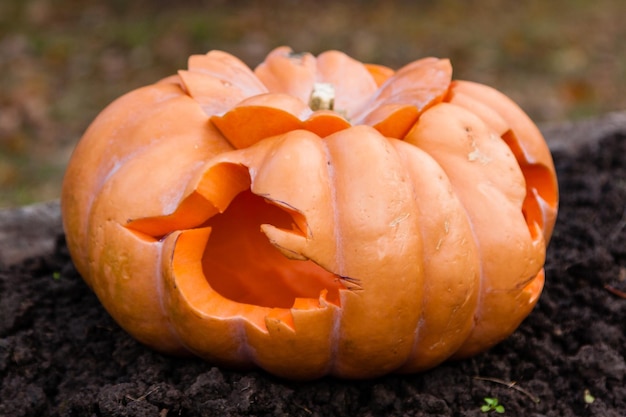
point(144, 396)
point(615, 291)
point(511, 384)
point(303, 408)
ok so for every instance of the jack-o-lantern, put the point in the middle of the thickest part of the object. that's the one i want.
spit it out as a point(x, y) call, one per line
point(314, 216)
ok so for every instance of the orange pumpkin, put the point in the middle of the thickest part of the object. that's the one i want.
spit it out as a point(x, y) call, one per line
point(314, 216)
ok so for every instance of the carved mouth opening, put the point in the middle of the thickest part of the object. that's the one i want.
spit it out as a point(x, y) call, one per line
point(541, 191)
point(241, 264)
point(239, 261)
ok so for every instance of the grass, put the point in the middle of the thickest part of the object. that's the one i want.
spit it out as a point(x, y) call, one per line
point(62, 61)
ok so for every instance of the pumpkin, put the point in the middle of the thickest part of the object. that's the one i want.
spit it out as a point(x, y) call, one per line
point(313, 216)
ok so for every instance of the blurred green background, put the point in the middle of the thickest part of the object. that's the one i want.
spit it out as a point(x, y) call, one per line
point(62, 61)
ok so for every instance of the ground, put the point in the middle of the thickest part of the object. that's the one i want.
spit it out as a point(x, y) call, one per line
point(62, 355)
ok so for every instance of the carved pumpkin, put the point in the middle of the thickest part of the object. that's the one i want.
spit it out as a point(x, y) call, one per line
point(314, 216)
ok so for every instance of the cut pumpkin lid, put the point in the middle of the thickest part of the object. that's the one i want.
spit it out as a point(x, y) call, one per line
point(248, 106)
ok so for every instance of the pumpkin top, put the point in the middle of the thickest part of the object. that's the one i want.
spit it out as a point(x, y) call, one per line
point(275, 98)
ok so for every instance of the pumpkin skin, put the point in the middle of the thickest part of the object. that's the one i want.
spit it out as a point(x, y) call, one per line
point(215, 213)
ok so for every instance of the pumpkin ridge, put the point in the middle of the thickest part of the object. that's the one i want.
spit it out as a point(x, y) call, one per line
point(338, 241)
point(366, 232)
point(509, 196)
point(525, 141)
point(436, 336)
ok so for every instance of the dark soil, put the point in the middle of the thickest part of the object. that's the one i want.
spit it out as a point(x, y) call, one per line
point(62, 355)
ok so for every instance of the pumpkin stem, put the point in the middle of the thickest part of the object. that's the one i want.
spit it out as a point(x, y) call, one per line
point(322, 97)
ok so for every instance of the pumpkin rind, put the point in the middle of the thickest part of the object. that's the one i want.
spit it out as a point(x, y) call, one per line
point(405, 228)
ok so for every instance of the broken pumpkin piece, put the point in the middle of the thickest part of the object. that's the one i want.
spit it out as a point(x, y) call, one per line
point(325, 122)
point(400, 221)
point(229, 70)
point(244, 126)
point(380, 73)
point(393, 120)
point(267, 115)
